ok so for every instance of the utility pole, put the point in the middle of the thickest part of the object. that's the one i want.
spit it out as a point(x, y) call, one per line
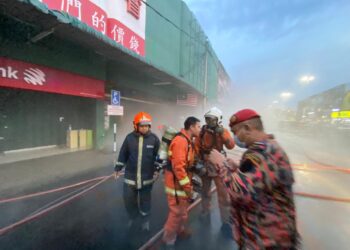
point(206, 77)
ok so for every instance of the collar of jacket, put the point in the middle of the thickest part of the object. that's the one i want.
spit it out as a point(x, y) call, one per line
point(185, 133)
point(137, 134)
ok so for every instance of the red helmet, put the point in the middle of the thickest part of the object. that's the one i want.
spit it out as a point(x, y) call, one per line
point(142, 118)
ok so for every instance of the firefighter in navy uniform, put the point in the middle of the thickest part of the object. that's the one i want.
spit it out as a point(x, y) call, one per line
point(138, 154)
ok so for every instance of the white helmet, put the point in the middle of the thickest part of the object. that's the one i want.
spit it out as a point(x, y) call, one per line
point(214, 112)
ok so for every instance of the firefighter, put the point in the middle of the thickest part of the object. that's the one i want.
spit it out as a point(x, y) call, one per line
point(178, 185)
point(138, 154)
point(260, 187)
point(214, 136)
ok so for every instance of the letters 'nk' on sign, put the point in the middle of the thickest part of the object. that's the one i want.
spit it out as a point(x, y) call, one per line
point(115, 98)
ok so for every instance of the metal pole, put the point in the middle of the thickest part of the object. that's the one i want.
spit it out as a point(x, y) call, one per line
point(205, 77)
point(115, 137)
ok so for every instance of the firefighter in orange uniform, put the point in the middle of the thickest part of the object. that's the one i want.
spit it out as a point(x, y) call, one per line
point(214, 136)
point(178, 185)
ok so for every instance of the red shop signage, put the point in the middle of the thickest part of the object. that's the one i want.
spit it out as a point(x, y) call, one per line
point(84, 10)
point(125, 36)
point(22, 75)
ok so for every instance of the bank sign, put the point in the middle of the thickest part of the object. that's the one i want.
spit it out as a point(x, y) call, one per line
point(124, 21)
point(22, 75)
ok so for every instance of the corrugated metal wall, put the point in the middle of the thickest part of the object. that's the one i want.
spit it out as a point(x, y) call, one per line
point(175, 41)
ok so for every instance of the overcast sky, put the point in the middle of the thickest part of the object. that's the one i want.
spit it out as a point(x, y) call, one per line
point(267, 45)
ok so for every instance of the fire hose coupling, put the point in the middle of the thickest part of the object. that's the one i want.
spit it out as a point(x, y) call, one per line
point(199, 168)
point(193, 197)
point(197, 184)
point(160, 164)
point(197, 188)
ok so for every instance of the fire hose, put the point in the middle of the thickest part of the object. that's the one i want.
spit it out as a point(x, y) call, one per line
point(320, 167)
point(101, 180)
point(7, 200)
point(43, 212)
point(307, 167)
point(157, 236)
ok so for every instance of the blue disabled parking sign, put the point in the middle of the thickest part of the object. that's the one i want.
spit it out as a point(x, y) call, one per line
point(115, 98)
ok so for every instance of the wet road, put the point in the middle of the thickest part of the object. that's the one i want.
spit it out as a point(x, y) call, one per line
point(98, 220)
point(322, 224)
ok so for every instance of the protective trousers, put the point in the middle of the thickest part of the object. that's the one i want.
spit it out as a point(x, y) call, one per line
point(177, 219)
point(137, 202)
point(223, 197)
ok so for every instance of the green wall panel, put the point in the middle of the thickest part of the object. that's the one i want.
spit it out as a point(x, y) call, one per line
point(178, 44)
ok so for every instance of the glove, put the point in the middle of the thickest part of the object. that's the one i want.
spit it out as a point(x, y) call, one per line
point(155, 176)
point(197, 184)
point(192, 197)
point(200, 169)
point(159, 165)
point(118, 166)
point(219, 130)
point(117, 174)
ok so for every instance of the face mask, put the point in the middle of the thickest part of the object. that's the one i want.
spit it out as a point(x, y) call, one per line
point(239, 143)
point(212, 123)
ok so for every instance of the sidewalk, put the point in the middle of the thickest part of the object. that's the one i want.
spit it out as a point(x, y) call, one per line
point(30, 154)
point(30, 172)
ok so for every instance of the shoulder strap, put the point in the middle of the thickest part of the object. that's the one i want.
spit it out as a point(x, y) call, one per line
point(189, 143)
point(201, 136)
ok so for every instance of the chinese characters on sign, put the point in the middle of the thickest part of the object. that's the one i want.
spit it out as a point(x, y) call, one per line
point(73, 7)
point(133, 8)
point(99, 22)
point(126, 37)
point(84, 10)
point(118, 34)
point(121, 20)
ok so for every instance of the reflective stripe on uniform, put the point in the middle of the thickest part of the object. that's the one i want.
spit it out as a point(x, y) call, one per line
point(148, 182)
point(174, 192)
point(184, 181)
point(139, 162)
point(130, 182)
point(118, 163)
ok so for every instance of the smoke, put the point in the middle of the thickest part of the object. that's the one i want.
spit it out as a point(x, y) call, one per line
point(314, 140)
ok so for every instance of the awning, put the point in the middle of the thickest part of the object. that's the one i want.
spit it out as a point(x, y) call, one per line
point(69, 28)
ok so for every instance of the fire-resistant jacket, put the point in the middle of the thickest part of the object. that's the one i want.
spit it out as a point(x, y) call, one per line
point(181, 156)
point(209, 140)
point(263, 209)
point(138, 154)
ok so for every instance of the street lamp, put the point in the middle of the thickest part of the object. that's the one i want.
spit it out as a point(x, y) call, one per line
point(286, 95)
point(305, 80)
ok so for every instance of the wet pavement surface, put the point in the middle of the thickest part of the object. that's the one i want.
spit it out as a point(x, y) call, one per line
point(97, 220)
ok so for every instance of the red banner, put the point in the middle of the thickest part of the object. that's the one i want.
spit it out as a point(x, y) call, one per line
point(84, 10)
point(125, 36)
point(22, 75)
point(123, 30)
